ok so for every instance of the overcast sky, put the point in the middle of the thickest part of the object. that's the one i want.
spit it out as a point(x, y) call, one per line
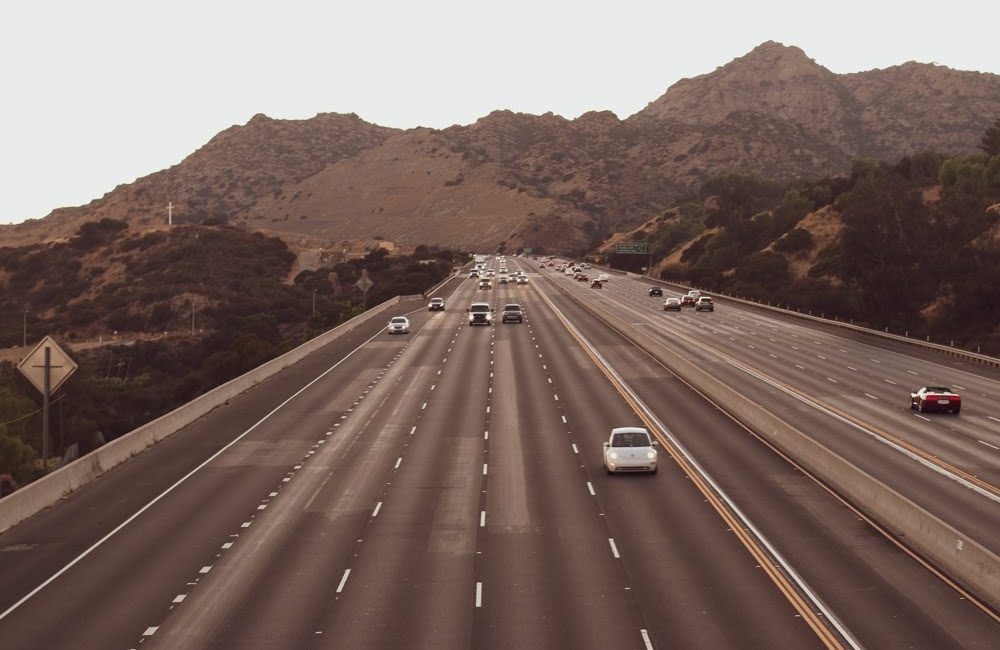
point(99, 93)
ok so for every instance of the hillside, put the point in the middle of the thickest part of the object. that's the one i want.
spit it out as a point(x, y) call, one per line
point(155, 318)
point(880, 246)
point(545, 181)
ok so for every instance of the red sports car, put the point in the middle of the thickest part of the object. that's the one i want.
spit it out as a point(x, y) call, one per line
point(936, 398)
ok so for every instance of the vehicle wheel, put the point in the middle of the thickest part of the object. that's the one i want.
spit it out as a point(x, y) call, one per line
point(913, 405)
point(920, 406)
point(957, 411)
point(655, 470)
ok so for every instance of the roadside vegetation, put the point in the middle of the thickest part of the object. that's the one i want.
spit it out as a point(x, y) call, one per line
point(916, 249)
point(197, 305)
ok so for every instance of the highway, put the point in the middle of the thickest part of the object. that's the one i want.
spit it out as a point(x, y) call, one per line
point(444, 489)
point(848, 393)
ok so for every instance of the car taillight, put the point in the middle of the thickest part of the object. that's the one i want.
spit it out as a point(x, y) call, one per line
point(954, 398)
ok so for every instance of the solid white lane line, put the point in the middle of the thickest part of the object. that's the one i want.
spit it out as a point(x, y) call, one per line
point(482, 518)
point(614, 549)
point(875, 360)
point(852, 369)
point(590, 488)
point(833, 380)
point(485, 466)
point(993, 418)
point(398, 461)
point(889, 381)
point(773, 356)
point(911, 372)
point(575, 450)
point(870, 395)
point(987, 444)
point(479, 594)
point(922, 417)
point(378, 506)
point(343, 580)
point(645, 639)
point(800, 367)
point(959, 387)
point(821, 357)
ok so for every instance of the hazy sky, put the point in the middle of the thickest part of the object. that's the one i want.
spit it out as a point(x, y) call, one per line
point(98, 93)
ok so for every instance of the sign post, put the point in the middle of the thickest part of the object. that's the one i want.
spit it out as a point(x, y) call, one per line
point(47, 367)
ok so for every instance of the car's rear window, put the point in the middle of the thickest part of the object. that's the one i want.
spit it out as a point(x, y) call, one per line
point(634, 439)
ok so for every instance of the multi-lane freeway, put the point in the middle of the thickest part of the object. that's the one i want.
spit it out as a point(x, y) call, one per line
point(445, 489)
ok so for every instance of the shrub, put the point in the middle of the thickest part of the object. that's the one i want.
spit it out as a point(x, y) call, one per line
point(795, 241)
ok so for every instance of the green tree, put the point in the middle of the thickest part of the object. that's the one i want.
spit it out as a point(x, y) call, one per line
point(17, 458)
point(990, 144)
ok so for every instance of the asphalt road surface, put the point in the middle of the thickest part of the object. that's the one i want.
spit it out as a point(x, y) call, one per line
point(445, 489)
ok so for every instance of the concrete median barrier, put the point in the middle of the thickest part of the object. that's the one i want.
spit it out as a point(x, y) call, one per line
point(962, 558)
point(37, 496)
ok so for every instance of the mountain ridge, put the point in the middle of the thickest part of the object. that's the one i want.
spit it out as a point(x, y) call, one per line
point(513, 179)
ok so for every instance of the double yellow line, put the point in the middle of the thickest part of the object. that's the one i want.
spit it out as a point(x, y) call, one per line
point(751, 543)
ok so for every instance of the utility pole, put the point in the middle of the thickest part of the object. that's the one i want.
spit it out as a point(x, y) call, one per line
point(170, 213)
point(24, 339)
point(314, 303)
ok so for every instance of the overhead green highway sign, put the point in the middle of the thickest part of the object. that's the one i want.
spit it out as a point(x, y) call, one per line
point(632, 248)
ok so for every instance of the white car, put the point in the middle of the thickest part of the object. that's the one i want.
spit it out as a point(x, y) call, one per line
point(399, 325)
point(504, 279)
point(630, 449)
point(603, 277)
point(522, 279)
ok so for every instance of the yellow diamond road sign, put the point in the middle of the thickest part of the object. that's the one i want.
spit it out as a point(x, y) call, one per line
point(60, 365)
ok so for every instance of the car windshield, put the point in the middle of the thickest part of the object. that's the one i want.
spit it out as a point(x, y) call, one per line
point(479, 308)
point(630, 439)
point(437, 301)
point(398, 320)
point(512, 308)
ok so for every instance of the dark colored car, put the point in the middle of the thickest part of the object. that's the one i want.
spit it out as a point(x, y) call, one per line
point(672, 304)
point(596, 284)
point(512, 313)
point(656, 291)
point(936, 398)
point(687, 301)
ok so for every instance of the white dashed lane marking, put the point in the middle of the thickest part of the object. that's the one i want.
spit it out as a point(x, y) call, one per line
point(343, 580)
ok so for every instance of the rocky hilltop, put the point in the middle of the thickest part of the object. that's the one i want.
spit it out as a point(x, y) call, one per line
point(883, 114)
point(543, 180)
